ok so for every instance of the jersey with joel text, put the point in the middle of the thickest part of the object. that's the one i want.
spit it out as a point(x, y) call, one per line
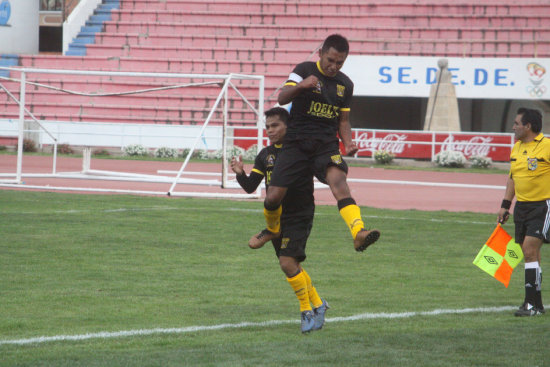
point(315, 112)
point(299, 200)
point(530, 169)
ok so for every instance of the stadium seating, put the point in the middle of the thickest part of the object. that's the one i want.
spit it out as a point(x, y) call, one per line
point(217, 37)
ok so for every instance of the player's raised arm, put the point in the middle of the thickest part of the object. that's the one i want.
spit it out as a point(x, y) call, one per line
point(248, 183)
point(292, 89)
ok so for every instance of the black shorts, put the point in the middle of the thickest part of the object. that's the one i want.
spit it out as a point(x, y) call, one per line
point(532, 218)
point(299, 158)
point(294, 235)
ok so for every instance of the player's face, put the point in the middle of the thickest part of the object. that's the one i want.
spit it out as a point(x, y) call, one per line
point(275, 128)
point(332, 61)
point(520, 130)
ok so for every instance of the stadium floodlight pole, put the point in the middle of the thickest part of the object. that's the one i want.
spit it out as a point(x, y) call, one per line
point(199, 135)
point(21, 136)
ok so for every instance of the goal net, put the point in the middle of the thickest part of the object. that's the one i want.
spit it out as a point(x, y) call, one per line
point(172, 119)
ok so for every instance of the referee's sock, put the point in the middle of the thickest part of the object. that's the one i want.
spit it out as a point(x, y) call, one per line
point(299, 284)
point(351, 214)
point(538, 300)
point(273, 218)
point(311, 291)
point(531, 270)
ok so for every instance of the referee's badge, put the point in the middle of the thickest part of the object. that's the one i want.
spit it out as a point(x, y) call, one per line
point(336, 159)
point(532, 164)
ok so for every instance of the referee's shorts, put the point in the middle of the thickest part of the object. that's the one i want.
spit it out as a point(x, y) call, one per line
point(532, 218)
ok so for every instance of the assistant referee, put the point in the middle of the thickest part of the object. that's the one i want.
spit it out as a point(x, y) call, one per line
point(529, 182)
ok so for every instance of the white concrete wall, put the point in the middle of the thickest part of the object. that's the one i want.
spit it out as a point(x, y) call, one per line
point(120, 135)
point(76, 20)
point(20, 33)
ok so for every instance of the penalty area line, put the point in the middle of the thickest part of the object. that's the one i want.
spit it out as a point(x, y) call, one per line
point(242, 325)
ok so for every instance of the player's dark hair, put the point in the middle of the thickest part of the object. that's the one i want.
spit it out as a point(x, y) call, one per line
point(336, 41)
point(280, 112)
point(531, 116)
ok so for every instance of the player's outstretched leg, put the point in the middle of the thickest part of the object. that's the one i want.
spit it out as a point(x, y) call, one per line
point(351, 214)
point(364, 238)
point(273, 221)
point(260, 239)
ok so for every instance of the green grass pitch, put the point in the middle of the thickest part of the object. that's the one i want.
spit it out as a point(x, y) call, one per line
point(179, 270)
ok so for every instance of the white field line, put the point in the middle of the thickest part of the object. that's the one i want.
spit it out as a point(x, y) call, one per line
point(246, 324)
point(431, 184)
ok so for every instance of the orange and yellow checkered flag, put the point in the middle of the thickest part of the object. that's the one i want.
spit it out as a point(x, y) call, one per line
point(499, 256)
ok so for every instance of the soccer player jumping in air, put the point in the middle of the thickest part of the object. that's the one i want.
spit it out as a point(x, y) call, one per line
point(321, 96)
point(296, 220)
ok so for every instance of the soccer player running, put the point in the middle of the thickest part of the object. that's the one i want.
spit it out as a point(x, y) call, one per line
point(321, 96)
point(296, 220)
point(529, 182)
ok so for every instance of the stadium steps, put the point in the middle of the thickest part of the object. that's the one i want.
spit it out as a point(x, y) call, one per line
point(343, 7)
point(8, 60)
point(154, 64)
point(450, 47)
point(134, 113)
point(161, 100)
point(60, 115)
point(148, 18)
point(217, 37)
point(318, 25)
point(93, 26)
point(272, 43)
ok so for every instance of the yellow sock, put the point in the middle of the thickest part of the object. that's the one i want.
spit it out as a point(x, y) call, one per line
point(273, 219)
point(298, 283)
point(352, 217)
point(311, 291)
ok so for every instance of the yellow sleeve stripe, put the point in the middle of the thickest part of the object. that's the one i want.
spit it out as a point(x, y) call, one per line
point(345, 109)
point(290, 83)
point(257, 171)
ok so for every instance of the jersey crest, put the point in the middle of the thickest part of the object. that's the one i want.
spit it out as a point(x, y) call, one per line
point(336, 159)
point(318, 87)
point(270, 160)
point(340, 90)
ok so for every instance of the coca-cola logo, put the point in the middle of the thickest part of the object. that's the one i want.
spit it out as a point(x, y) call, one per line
point(391, 143)
point(476, 146)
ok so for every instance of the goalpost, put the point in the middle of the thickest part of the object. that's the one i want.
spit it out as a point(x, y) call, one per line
point(90, 100)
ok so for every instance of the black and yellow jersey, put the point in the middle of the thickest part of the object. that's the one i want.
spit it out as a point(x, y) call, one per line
point(315, 113)
point(530, 169)
point(298, 201)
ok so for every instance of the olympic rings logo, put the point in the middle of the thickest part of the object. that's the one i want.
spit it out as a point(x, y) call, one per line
point(536, 91)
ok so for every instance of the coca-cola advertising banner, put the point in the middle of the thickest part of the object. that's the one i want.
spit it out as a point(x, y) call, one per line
point(414, 144)
point(412, 76)
point(425, 145)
